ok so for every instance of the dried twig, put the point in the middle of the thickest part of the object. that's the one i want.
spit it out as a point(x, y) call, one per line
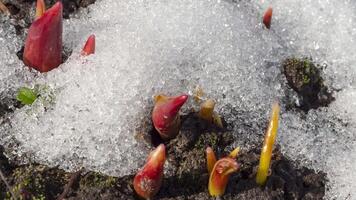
point(73, 178)
point(7, 184)
point(4, 9)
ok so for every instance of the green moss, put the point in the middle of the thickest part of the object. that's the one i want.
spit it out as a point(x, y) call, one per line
point(302, 73)
point(37, 182)
point(28, 183)
point(304, 77)
point(98, 180)
point(207, 139)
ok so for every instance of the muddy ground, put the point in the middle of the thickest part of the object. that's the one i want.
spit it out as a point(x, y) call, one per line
point(187, 176)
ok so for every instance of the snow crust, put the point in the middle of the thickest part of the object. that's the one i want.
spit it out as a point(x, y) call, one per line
point(12, 72)
point(96, 104)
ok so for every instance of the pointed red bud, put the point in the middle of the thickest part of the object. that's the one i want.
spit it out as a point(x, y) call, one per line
point(89, 47)
point(148, 180)
point(220, 174)
point(43, 47)
point(267, 17)
point(165, 115)
point(40, 8)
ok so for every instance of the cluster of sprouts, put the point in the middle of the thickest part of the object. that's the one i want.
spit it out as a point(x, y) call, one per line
point(43, 52)
point(166, 120)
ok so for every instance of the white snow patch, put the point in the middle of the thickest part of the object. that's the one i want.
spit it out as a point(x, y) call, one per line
point(12, 72)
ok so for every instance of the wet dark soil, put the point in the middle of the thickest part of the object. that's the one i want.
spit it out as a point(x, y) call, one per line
point(304, 77)
point(8, 105)
point(186, 176)
point(21, 10)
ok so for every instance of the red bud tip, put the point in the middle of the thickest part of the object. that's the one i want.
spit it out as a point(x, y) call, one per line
point(267, 17)
point(89, 47)
point(148, 180)
point(43, 47)
point(40, 8)
point(165, 115)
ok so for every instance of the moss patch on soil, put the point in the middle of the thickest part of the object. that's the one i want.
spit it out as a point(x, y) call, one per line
point(304, 77)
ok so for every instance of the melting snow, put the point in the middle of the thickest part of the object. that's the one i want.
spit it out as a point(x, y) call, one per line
point(147, 47)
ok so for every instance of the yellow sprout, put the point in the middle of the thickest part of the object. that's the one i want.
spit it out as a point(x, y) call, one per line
point(4, 9)
point(207, 113)
point(210, 159)
point(234, 153)
point(207, 110)
point(198, 94)
point(40, 8)
point(266, 153)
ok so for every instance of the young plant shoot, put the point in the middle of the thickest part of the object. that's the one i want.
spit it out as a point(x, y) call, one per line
point(267, 17)
point(26, 95)
point(210, 159)
point(220, 171)
point(148, 180)
point(208, 114)
point(43, 46)
point(267, 148)
point(89, 47)
point(165, 115)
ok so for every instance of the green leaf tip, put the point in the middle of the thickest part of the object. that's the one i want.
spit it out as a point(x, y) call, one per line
point(26, 95)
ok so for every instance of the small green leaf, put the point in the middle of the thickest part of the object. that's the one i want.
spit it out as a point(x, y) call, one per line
point(26, 95)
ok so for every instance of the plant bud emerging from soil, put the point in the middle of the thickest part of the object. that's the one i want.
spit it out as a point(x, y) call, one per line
point(267, 148)
point(165, 115)
point(267, 17)
point(40, 8)
point(4, 9)
point(43, 46)
point(210, 159)
point(207, 110)
point(220, 174)
point(207, 113)
point(148, 180)
point(89, 47)
point(234, 153)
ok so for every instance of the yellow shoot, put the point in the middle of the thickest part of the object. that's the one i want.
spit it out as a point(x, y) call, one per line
point(4, 9)
point(217, 120)
point(207, 110)
point(40, 8)
point(207, 113)
point(198, 94)
point(266, 152)
point(234, 153)
point(210, 159)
